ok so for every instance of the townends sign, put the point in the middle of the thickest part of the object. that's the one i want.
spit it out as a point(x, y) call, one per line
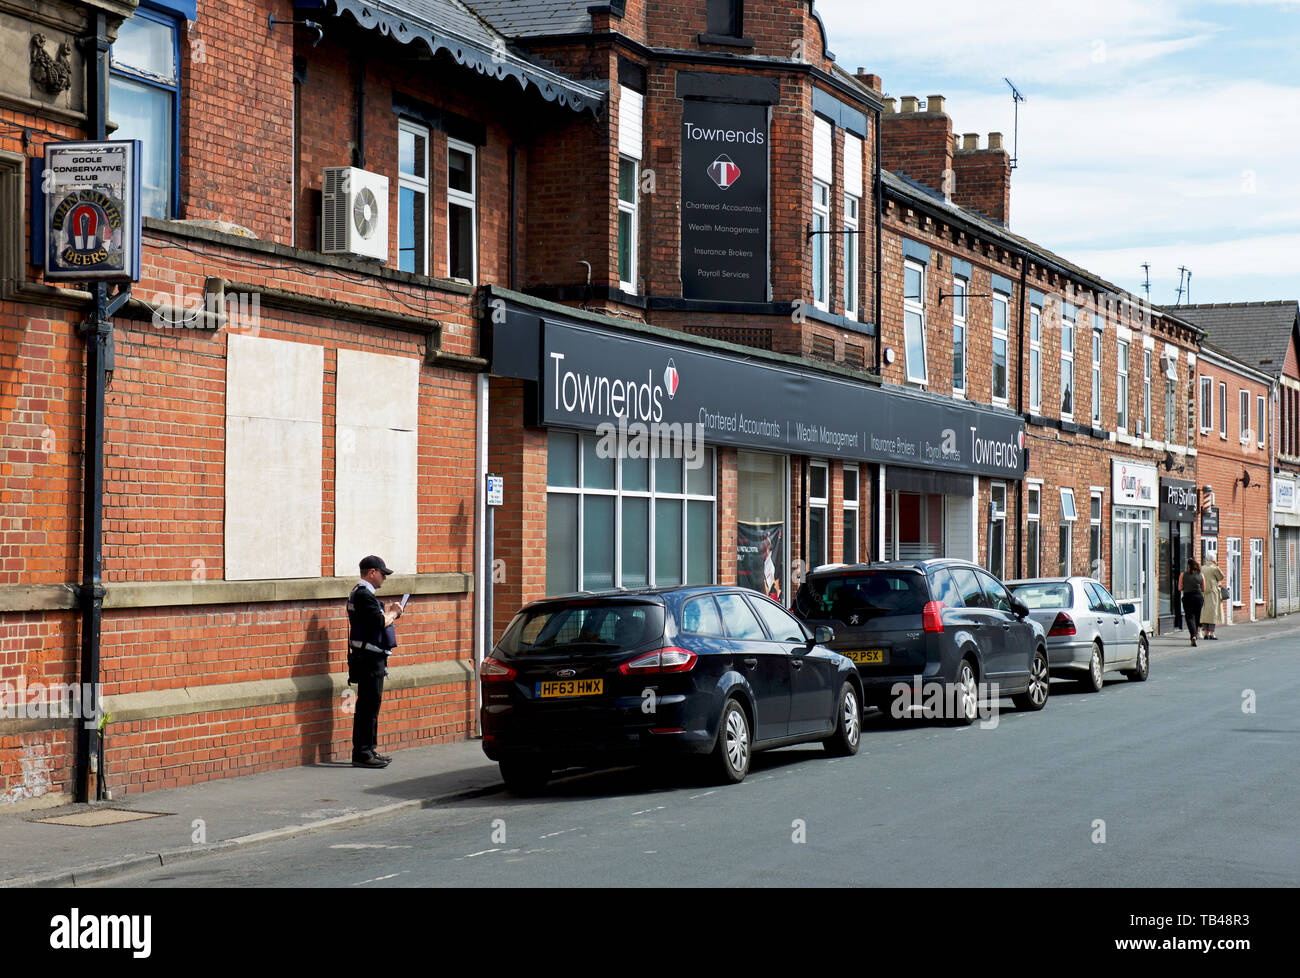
point(591, 377)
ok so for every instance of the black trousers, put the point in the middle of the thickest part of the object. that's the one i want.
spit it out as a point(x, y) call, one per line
point(1193, 603)
point(365, 722)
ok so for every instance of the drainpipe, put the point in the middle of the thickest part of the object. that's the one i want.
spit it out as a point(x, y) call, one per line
point(878, 497)
point(97, 330)
point(359, 152)
point(1020, 409)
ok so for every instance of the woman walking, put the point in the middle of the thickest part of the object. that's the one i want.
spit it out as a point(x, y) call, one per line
point(1192, 585)
point(1212, 613)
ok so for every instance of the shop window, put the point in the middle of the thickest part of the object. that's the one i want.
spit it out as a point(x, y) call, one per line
point(462, 211)
point(851, 489)
point(628, 223)
point(1001, 303)
point(1035, 359)
point(1121, 390)
point(1065, 549)
point(1095, 567)
point(625, 522)
point(760, 524)
point(1033, 509)
point(960, 289)
point(144, 101)
point(818, 478)
point(997, 530)
point(914, 321)
point(413, 198)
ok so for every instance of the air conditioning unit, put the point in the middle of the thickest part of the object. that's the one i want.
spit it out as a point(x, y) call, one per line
point(354, 213)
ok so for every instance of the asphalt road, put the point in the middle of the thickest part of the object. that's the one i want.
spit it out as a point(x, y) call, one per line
point(1188, 788)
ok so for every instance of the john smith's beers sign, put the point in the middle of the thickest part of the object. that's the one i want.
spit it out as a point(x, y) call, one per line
point(724, 201)
point(92, 210)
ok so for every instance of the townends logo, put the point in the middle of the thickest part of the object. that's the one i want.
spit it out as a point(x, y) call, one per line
point(671, 379)
point(723, 172)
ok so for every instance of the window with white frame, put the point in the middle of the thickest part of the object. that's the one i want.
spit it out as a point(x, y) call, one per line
point(1035, 358)
point(1065, 542)
point(1121, 388)
point(144, 99)
point(821, 244)
point(1259, 420)
point(1096, 377)
point(851, 207)
point(1067, 365)
point(1094, 536)
point(960, 289)
point(1243, 411)
point(997, 561)
point(851, 494)
point(628, 208)
point(1146, 393)
point(1234, 569)
point(1171, 408)
point(1033, 511)
point(1001, 305)
point(624, 522)
point(1207, 404)
point(818, 493)
point(1257, 571)
point(412, 197)
point(462, 211)
point(914, 321)
point(1223, 410)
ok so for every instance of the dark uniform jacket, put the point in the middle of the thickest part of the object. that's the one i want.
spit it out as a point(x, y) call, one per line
point(368, 643)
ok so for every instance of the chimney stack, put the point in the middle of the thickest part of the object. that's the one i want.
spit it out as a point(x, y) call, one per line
point(918, 145)
point(871, 81)
point(983, 178)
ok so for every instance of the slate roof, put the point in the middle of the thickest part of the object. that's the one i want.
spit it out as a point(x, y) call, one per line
point(533, 18)
point(1255, 333)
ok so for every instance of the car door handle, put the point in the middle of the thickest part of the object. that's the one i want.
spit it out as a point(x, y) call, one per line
point(796, 663)
point(750, 663)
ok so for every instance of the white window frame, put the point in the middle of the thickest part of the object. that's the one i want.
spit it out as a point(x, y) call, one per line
point(407, 181)
point(1243, 408)
point(1261, 419)
point(1095, 525)
point(459, 198)
point(1067, 365)
point(632, 208)
point(1223, 410)
point(1036, 359)
point(1257, 570)
point(853, 506)
point(960, 292)
point(1234, 571)
point(1171, 409)
point(1121, 386)
point(852, 283)
point(999, 516)
point(1003, 334)
point(916, 305)
point(1033, 518)
point(819, 503)
point(821, 206)
point(1146, 392)
point(1207, 404)
point(1096, 374)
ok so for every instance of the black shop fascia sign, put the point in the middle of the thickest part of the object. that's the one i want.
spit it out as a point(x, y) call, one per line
point(1179, 502)
point(589, 377)
point(724, 214)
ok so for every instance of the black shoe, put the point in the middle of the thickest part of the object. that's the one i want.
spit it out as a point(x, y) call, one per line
point(368, 760)
point(386, 758)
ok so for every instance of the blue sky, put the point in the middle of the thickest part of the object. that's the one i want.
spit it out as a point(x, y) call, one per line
point(1156, 131)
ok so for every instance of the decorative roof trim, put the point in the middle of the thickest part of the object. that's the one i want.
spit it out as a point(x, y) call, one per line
point(407, 28)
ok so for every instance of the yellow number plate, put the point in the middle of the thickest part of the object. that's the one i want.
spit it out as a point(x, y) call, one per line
point(569, 687)
point(868, 657)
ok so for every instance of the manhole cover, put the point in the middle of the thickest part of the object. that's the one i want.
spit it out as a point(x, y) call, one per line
point(100, 816)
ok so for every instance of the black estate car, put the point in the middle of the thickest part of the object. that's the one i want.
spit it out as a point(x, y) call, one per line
point(618, 677)
point(941, 624)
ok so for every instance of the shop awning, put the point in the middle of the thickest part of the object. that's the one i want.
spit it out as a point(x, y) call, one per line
point(446, 25)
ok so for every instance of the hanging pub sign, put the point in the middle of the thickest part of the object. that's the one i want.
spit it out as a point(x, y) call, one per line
point(724, 201)
point(92, 210)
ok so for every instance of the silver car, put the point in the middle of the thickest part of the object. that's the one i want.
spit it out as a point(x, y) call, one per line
point(1089, 633)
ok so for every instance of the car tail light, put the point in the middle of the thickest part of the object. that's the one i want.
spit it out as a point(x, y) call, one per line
point(492, 671)
point(668, 659)
point(1063, 625)
point(931, 616)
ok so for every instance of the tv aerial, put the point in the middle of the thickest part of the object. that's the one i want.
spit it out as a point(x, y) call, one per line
point(1017, 98)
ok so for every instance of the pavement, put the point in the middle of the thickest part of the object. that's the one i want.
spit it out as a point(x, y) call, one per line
point(260, 809)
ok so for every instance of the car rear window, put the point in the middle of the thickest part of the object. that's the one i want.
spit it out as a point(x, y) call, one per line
point(867, 594)
point(1039, 597)
point(596, 628)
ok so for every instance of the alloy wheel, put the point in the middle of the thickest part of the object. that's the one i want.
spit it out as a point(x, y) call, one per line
point(737, 740)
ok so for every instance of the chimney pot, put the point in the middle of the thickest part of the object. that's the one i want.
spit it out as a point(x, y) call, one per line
point(934, 103)
point(891, 106)
point(995, 140)
point(970, 141)
point(909, 103)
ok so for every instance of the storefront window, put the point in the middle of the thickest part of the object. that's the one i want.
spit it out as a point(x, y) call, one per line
point(623, 522)
point(817, 494)
point(760, 524)
point(1033, 510)
point(850, 514)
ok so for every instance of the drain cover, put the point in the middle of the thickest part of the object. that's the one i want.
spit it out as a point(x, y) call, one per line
point(100, 816)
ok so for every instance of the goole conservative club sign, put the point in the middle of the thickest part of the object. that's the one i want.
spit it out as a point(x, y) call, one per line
point(92, 210)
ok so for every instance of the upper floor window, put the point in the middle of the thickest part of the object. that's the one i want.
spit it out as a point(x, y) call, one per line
point(1035, 358)
point(413, 198)
point(960, 289)
point(821, 244)
point(1001, 303)
point(144, 102)
point(1067, 366)
point(628, 213)
point(851, 207)
point(1259, 420)
point(914, 321)
point(1223, 410)
point(1146, 394)
point(1121, 389)
point(462, 211)
point(1243, 410)
point(1096, 375)
point(1207, 404)
point(724, 17)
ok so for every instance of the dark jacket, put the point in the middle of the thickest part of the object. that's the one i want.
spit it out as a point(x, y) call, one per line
point(367, 643)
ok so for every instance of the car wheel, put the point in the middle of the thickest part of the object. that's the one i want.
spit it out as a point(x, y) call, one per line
point(967, 699)
point(731, 754)
point(848, 727)
point(1092, 681)
point(525, 777)
point(1040, 685)
point(1139, 675)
